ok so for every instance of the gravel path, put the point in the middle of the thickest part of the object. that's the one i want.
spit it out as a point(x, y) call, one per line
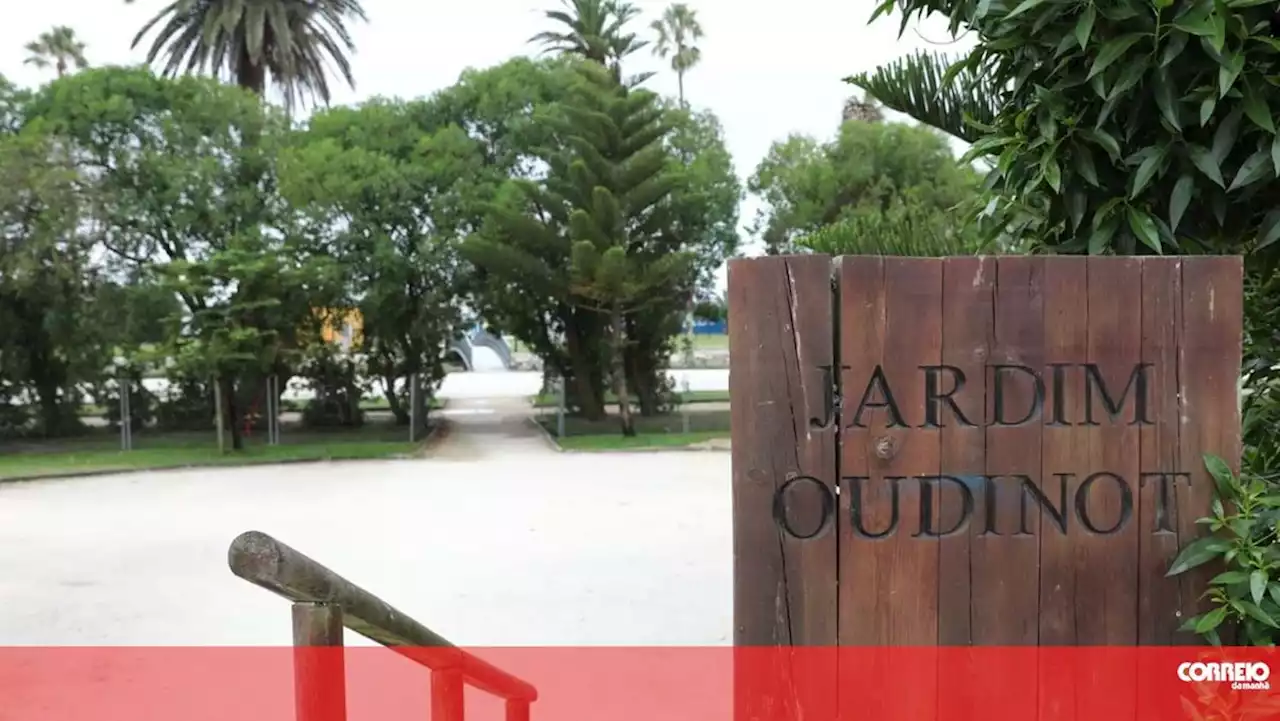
point(494, 540)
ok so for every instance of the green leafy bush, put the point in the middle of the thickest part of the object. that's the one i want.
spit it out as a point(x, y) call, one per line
point(1246, 542)
point(1128, 126)
point(905, 229)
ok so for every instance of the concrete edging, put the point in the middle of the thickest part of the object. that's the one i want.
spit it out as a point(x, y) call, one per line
point(547, 438)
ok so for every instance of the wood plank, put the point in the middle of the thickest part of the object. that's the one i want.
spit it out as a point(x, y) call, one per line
point(785, 557)
point(1005, 600)
point(1108, 578)
point(1063, 443)
point(865, 564)
point(1208, 377)
point(967, 328)
point(967, 333)
point(1159, 597)
point(890, 480)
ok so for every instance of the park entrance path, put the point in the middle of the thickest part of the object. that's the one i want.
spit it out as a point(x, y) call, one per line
point(475, 428)
point(496, 540)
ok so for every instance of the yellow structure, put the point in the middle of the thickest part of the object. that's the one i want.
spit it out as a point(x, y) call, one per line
point(343, 328)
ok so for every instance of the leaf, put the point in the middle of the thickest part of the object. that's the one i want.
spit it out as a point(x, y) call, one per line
point(1258, 587)
point(1269, 231)
point(1211, 620)
point(1196, 22)
point(1254, 168)
point(1084, 26)
point(1207, 165)
point(1052, 172)
point(1206, 108)
point(1112, 51)
point(1077, 202)
point(1198, 553)
point(1228, 71)
point(1255, 612)
point(1221, 473)
point(1275, 154)
point(1180, 198)
point(1229, 578)
point(1102, 235)
point(1224, 138)
point(1173, 48)
point(1166, 101)
point(1144, 228)
point(1274, 590)
point(1256, 107)
point(1129, 77)
point(1023, 7)
point(1084, 163)
point(1146, 171)
point(1104, 139)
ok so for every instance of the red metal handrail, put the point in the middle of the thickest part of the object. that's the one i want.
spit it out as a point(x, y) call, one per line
point(324, 603)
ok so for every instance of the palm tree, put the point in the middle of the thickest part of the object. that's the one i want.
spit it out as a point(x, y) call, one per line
point(594, 31)
point(677, 30)
point(58, 47)
point(289, 42)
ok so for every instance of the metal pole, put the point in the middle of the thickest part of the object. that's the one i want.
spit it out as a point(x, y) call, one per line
point(273, 412)
point(122, 389)
point(684, 403)
point(560, 403)
point(413, 406)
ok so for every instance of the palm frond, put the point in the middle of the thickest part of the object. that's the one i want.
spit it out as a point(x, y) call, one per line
point(914, 86)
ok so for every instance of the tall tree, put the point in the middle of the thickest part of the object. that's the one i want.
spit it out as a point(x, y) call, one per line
point(580, 236)
point(396, 245)
point(59, 48)
point(868, 168)
point(677, 30)
point(594, 30)
point(169, 160)
point(286, 42)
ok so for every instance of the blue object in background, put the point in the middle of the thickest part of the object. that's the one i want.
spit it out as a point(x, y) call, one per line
point(706, 327)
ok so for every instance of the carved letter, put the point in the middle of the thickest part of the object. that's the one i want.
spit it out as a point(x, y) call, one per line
point(1137, 382)
point(1058, 515)
point(927, 513)
point(878, 380)
point(1059, 394)
point(932, 397)
point(826, 513)
point(1163, 521)
point(1082, 503)
point(1037, 399)
point(855, 506)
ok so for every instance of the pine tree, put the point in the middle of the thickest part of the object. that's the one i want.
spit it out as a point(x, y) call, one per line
point(582, 232)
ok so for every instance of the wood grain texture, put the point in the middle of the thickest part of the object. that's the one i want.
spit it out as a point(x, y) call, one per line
point(785, 588)
point(1005, 603)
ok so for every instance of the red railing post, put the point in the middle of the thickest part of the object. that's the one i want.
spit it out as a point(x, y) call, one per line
point(447, 685)
point(319, 671)
point(517, 710)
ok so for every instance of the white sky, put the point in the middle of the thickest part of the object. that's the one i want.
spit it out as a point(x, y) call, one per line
point(765, 73)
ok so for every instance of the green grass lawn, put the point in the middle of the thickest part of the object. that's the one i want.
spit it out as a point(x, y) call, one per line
point(549, 400)
point(100, 450)
point(651, 432)
point(640, 441)
point(711, 342)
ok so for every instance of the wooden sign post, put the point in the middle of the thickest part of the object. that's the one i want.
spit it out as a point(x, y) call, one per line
point(975, 450)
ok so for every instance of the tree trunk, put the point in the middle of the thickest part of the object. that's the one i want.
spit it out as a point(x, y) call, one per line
point(618, 372)
point(589, 402)
point(393, 400)
point(680, 80)
point(232, 414)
